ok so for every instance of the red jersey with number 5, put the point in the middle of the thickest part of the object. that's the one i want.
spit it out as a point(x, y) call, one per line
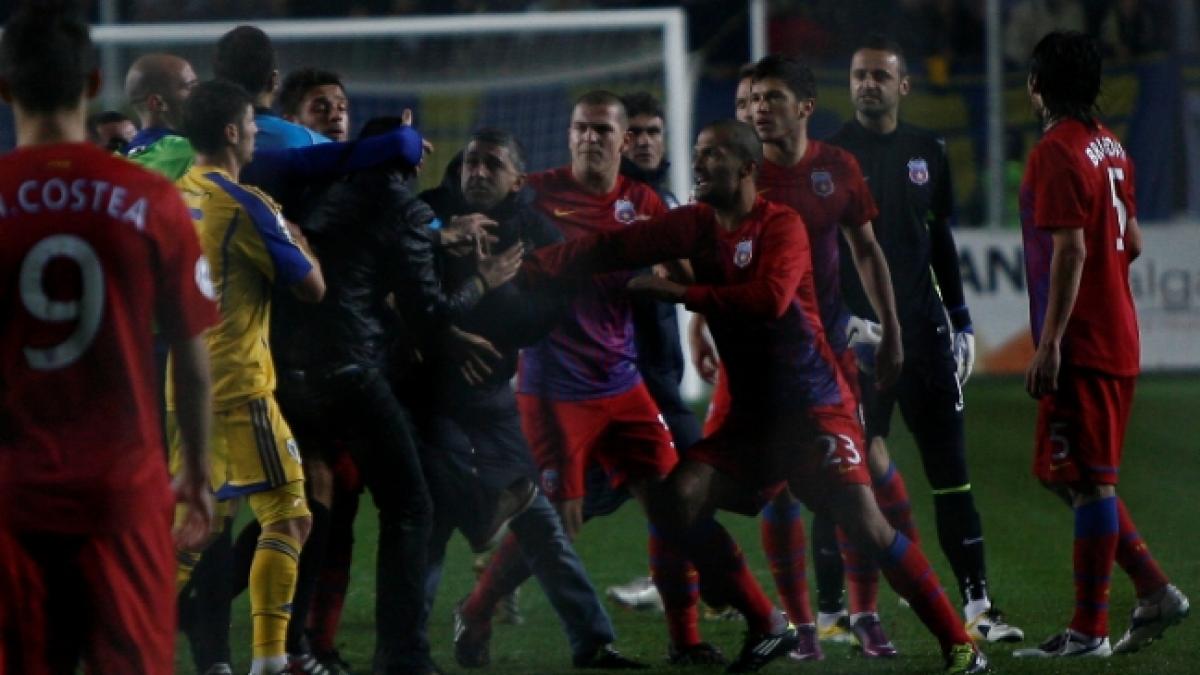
point(93, 251)
point(1080, 177)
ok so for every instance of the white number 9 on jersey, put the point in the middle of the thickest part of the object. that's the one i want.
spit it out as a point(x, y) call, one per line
point(86, 311)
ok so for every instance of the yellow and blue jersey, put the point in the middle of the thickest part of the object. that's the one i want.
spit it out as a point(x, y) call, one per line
point(246, 240)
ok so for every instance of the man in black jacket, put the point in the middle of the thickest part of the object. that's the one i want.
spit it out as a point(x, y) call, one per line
point(379, 241)
point(476, 423)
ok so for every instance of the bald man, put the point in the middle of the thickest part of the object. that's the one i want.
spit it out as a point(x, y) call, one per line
point(157, 85)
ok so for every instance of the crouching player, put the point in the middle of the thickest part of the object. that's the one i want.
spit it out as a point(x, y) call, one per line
point(792, 419)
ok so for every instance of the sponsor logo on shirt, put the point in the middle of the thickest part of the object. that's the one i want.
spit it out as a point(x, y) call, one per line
point(743, 252)
point(918, 171)
point(624, 211)
point(822, 183)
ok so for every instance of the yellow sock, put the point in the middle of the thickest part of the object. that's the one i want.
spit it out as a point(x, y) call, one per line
point(272, 583)
point(187, 564)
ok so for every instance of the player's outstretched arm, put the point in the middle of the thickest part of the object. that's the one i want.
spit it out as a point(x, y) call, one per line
point(326, 161)
point(193, 403)
point(877, 282)
point(1066, 269)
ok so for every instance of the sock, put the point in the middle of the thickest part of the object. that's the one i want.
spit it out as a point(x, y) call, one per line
point(678, 585)
point(244, 548)
point(272, 583)
point(909, 573)
point(1095, 550)
point(1133, 556)
point(329, 597)
point(311, 559)
point(185, 564)
point(892, 496)
point(722, 568)
point(268, 665)
point(960, 533)
point(782, 531)
point(862, 577)
point(491, 586)
point(827, 564)
point(211, 598)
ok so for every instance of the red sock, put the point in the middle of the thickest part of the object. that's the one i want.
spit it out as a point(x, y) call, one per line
point(326, 612)
point(723, 571)
point(1095, 549)
point(1135, 558)
point(892, 497)
point(909, 573)
point(480, 605)
point(862, 577)
point(678, 584)
point(783, 541)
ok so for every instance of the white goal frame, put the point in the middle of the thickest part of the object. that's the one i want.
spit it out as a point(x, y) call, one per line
point(677, 86)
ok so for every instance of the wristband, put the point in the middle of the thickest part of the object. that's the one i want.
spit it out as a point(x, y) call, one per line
point(960, 319)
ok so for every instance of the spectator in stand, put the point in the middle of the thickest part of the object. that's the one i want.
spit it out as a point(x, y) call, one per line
point(1029, 20)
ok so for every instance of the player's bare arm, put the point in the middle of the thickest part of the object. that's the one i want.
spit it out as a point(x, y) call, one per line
point(1066, 269)
point(1133, 240)
point(877, 282)
point(193, 402)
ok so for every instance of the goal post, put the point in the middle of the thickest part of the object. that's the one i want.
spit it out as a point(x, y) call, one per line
point(365, 51)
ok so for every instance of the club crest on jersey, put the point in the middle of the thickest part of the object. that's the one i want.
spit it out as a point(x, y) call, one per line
point(743, 252)
point(822, 183)
point(550, 482)
point(624, 211)
point(918, 171)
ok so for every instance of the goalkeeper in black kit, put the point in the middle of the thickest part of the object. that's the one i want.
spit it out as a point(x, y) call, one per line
point(909, 176)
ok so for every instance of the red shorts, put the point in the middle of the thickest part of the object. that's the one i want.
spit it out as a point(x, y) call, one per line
point(1081, 427)
point(814, 453)
point(108, 599)
point(718, 405)
point(625, 434)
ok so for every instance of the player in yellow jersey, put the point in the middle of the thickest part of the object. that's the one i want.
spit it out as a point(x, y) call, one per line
point(250, 247)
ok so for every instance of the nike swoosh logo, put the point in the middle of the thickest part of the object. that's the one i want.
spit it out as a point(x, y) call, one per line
point(559, 213)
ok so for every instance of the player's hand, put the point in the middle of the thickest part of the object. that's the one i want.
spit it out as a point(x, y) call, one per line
point(1042, 376)
point(496, 270)
point(703, 351)
point(193, 531)
point(474, 354)
point(406, 118)
point(464, 234)
point(962, 345)
point(889, 359)
point(656, 287)
point(863, 336)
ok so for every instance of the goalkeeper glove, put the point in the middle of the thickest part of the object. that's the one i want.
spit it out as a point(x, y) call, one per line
point(962, 343)
point(863, 336)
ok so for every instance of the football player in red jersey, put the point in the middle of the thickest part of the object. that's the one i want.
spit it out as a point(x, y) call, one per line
point(793, 418)
point(1080, 230)
point(94, 250)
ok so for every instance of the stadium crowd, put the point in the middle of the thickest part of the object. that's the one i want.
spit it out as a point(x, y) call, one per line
point(268, 311)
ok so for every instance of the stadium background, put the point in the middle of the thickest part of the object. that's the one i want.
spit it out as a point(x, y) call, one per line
point(525, 82)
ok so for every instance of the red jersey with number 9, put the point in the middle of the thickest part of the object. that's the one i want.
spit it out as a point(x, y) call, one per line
point(1080, 177)
point(93, 251)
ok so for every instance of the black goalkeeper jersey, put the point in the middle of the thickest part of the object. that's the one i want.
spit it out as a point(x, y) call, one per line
point(909, 177)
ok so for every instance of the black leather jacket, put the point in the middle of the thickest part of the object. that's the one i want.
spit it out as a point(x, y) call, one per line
point(374, 238)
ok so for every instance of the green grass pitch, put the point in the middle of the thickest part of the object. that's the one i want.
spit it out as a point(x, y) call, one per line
point(1028, 546)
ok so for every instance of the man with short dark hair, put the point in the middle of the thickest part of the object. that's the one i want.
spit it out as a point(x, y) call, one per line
point(111, 130)
point(316, 99)
point(793, 418)
point(98, 248)
point(1080, 230)
point(909, 176)
point(479, 424)
point(252, 248)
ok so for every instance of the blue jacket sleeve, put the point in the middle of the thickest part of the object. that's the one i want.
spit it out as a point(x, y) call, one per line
point(326, 161)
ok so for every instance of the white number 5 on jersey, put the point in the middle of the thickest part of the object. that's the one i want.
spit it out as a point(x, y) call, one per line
point(1116, 173)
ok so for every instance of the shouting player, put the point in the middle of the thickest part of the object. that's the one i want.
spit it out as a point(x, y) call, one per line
point(792, 418)
point(94, 249)
point(1080, 230)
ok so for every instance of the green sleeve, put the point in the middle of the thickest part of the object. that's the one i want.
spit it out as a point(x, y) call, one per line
point(171, 156)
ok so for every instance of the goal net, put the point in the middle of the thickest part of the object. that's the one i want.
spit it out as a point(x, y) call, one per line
point(519, 72)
